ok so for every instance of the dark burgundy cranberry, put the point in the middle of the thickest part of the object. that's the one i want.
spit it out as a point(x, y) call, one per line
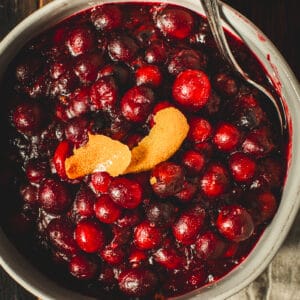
point(270, 172)
point(28, 68)
point(187, 192)
point(112, 256)
point(104, 94)
point(80, 40)
point(63, 150)
point(191, 89)
point(61, 236)
point(156, 53)
point(235, 223)
point(118, 72)
point(84, 202)
point(40, 87)
point(133, 140)
point(200, 130)
point(64, 85)
point(266, 205)
point(54, 196)
point(186, 59)
point(76, 131)
point(168, 258)
point(205, 148)
point(57, 69)
point(126, 192)
point(242, 167)
point(193, 162)
point(79, 103)
point(137, 103)
point(175, 22)
point(29, 194)
point(226, 137)
point(196, 277)
point(107, 17)
point(137, 282)
point(161, 213)
point(129, 219)
point(148, 75)
point(226, 84)
point(121, 235)
point(107, 276)
point(122, 48)
point(106, 210)
point(147, 236)
point(136, 257)
point(209, 246)
point(100, 181)
point(119, 126)
point(90, 236)
point(167, 179)
point(82, 267)
point(189, 225)
point(215, 181)
point(36, 171)
point(145, 34)
point(28, 118)
point(213, 104)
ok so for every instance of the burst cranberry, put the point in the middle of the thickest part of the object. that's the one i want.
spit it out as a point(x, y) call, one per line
point(215, 181)
point(226, 84)
point(136, 257)
point(80, 40)
point(193, 162)
point(107, 17)
point(104, 94)
point(82, 267)
point(189, 224)
point(100, 181)
point(106, 210)
point(28, 118)
point(168, 258)
point(84, 202)
point(175, 22)
point(192, 89)
point(137, 282)
point(89, 236)
point(122, 48)
point(156, 53)
point(235, 223)
point(112, 256)
point(137, 103)
point(226, 137)
point(29, 194)
point(54, 196)
point(161, 213)
point(242, 167)
point(159, 106)
point(149, 75)
point(147, 236)
point(125, 192)
point(76, 131)
point(200, 130)
point(62, 151)
point(187, 192)
point(36, 171)
point(167, 179)
point(79, 103)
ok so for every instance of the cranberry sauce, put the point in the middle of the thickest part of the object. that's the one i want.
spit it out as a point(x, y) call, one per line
point(189, 220)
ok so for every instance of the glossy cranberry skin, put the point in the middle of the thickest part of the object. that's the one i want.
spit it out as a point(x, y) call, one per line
point(147, 236)
point(226, 137)
point(167, 179)
point(54, 196)
point(112, 256)
point(168, 258)
point(148, 75)
point(122, 48)
point(137, 103)
point(189, 225)
point(161, 213)
point(191, 89)
point(84, 202)
point(29, 194)
point(76, 131)
point(200, 130)
point(63, 150)
point(235, 223)
point(175, 22)
point(79, 103)
point(89, 236)
point(242, 167)
point(36, 171)
point(100, 181)
point(106, 210)
point(226, 84)
point(125, 192)
point(82, 267)
point(137, 282)
point(193, 162)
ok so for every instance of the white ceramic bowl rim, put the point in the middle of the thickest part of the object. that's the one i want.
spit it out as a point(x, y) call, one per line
point(282, 76)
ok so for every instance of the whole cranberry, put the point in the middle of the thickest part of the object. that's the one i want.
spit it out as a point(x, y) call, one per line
point(36, 171)
point(168, 258)
point(27, 69)
point(137, 282)
point(187, 192)
point(89, 236)
point(156, 53)
point(215, 181)
point(226, 137)
point(63, 150)
point(100, 181)
point(136, 257)
point(193, 162)
point(235, 223)
point(112, 256)
point(54, 196)
point(76, 131)
point(82, 267)
point(200, 130)
point(106, 210)
point(175, 22)
point(189, 224)
point(137, 103)
point(242, 167)
point(104, 94)
point(107, 17)
point(209, 246)
point(167, 179)
point(161, 213)
point(28, 118)
point(148, 75)
point(125, 192)
point(147, 236)
point(84, 202)
point(79, 103)
point(80, 40)
point(29, 194)
point(226, 84)
point(122, 48)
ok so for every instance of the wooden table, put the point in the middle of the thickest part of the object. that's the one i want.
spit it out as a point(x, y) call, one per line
point(280, 21)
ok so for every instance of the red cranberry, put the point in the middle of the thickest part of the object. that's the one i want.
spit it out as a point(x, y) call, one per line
point(29, 194)
point(149, 75)
point(54, 196)
point(167, 179)
point(192, 89)
point(226, 137)
point(76, 131)
point(137, 282)
point(36, 171)
point(130, 219)
point(57, 69)
point(147, 236)
point(226, 84)
point(79, 103)
point(125, 192)
point(187, 192)
point(104, 94)
point(82, 267)
point(84, 202)
point(161, 213)
point(122, 48)
point(200, 130)
point(235, 223)
point(156, 53)
point(100, 181)
point(112, 256)
point(28, 68)
point(193, 162)
point(107, 17)
point(62, 151)
point(137, 103)
point(266, 205)
point(80, 40)
point(168, 258)
point(28, 117)
point(209, 246)
point(242, 167)
point(89, 236)
point(136, 257)
point(205, 148)
point(189, 224)
point(106, 210)
point(175, 22)
point(61, 112)
point(159, 106)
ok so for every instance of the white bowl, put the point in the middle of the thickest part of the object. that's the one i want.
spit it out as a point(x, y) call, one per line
point(283, 78)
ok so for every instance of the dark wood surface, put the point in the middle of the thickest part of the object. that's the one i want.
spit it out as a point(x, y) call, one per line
point(278, 19)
